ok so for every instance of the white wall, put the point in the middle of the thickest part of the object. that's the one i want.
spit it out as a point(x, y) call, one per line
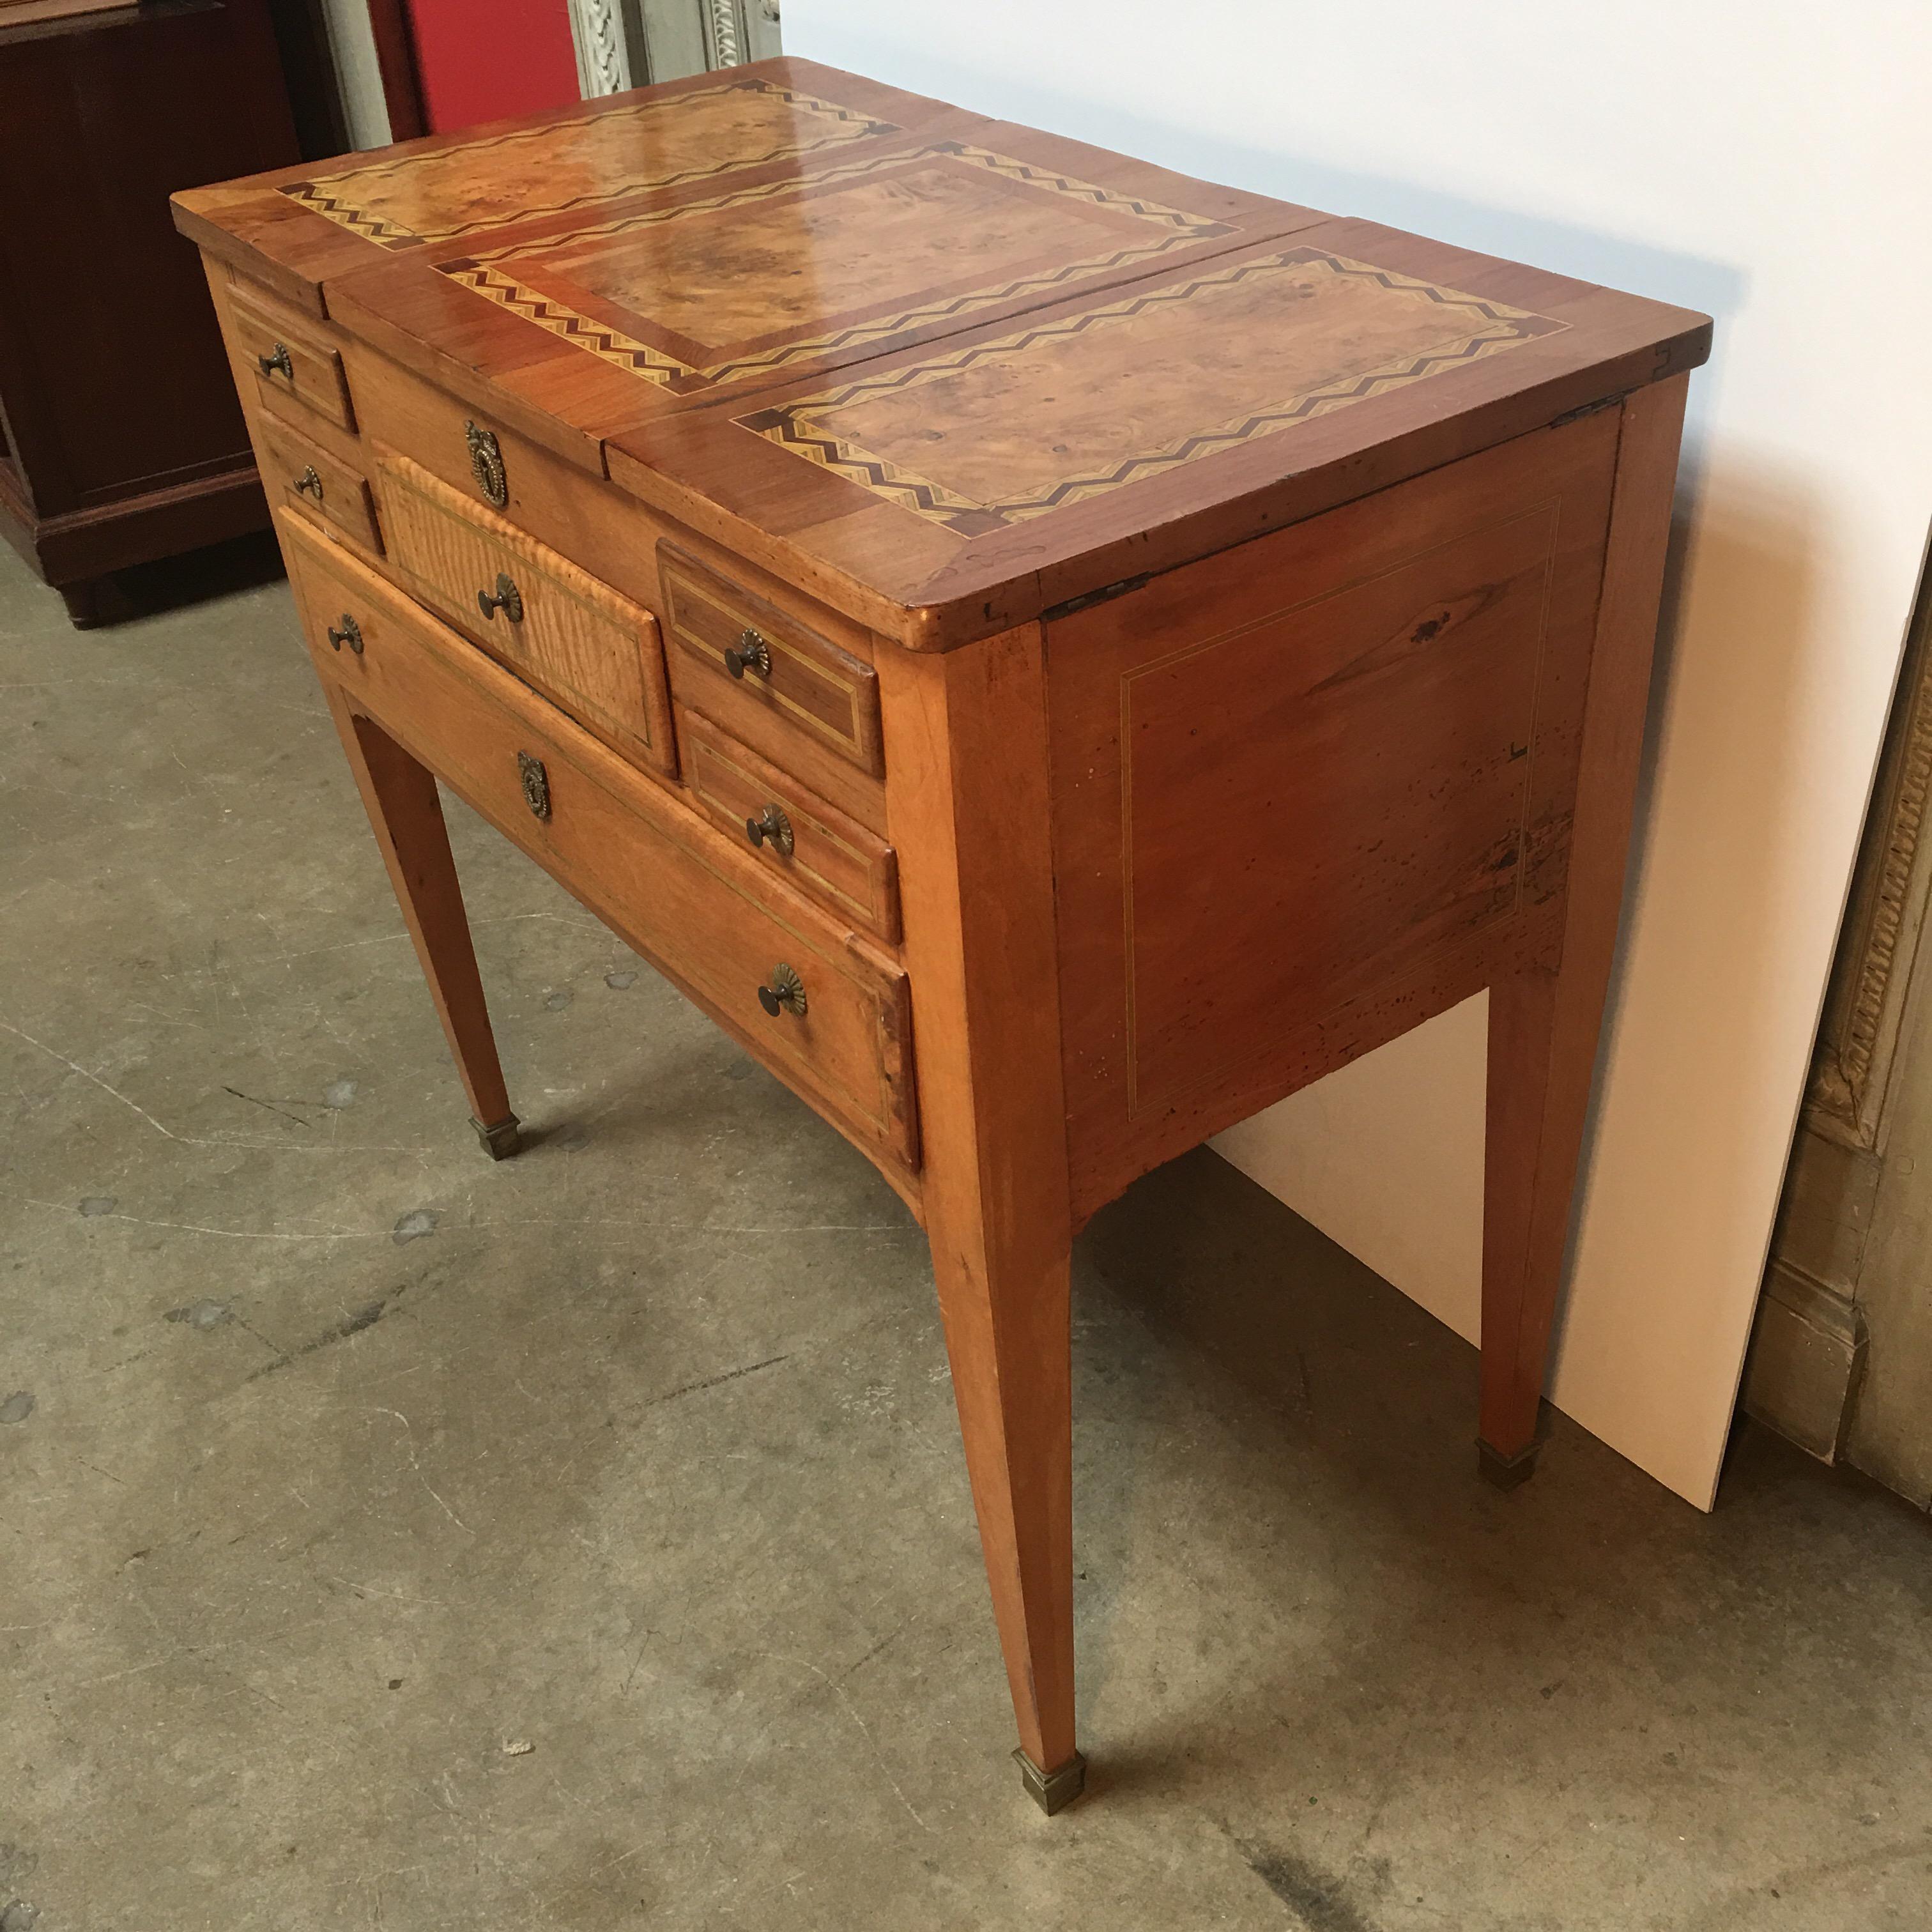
point(1768, 163)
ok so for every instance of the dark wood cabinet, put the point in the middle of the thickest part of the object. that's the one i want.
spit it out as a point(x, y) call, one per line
point(121, 440)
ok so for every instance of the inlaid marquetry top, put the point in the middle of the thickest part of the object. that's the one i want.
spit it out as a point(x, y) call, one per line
point(944, 371)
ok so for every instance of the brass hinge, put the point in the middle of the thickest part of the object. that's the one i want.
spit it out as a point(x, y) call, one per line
point(1104, 594)
point(1587, 410)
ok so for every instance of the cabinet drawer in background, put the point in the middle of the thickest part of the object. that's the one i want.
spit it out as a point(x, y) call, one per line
point(570, 634)
point(832, 857)
point(296, 472)
point(751, 666)
point(293, 361)
point(697, 906)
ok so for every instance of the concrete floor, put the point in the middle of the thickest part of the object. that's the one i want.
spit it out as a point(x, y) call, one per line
point(387, 1538)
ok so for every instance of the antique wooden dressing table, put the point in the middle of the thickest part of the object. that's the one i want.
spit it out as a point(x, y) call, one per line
point(1052, 655)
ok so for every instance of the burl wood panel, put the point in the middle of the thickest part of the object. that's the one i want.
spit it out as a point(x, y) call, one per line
point(1296, 335)
point(475, 186)
point(1304, 792)
point(679, 892)
point(575, 638)
point(694, 294)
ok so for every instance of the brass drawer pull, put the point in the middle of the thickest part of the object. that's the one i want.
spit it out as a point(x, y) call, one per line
point(751, 653)
point(278, 364)
point(508, 599)
point(536, 785)
point(350, 634)
point(486, 464)
point(308, 483)
point(786, 994)
point(773, 828)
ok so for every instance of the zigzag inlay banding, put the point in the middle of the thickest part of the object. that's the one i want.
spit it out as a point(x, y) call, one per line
point(318, 196)
point(799, 428)
point(612, 347)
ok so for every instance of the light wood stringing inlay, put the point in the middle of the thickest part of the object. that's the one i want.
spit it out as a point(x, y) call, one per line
point(980, 438)
point(870, 233)
point(581, 163)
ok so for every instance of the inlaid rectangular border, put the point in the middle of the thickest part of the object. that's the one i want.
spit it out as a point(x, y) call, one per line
point(334, 197)
point(1494, 327)
point(492, 274)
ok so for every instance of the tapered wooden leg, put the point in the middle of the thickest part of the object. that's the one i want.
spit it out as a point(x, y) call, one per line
point(406, 815)
point(966, 749)
point(1544, 1018)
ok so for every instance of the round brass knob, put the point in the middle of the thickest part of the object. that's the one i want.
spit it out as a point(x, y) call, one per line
point(508, 599)
point(786, 994)
point(751, 653)
point(771, 827)
point(278, 364)
point(350, 634)
point(308, 484)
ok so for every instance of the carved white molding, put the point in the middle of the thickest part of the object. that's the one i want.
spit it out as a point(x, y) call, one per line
point(1878, 948)
point(725, 49)
point(603, 51)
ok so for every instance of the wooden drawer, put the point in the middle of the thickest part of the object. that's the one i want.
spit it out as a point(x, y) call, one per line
point(571, 636)
point(684, 895)
point(297, 473)
point(294, 361)
point(827, 854)
point(753, 668)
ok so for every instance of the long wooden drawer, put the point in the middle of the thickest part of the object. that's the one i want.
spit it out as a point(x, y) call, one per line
point(832, 857)
point(294, 361)
point(650, 866)
point(769, 677)
point(299, 472)
point(568, 634)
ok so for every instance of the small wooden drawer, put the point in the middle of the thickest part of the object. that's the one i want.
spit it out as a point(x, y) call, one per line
point(698, 906)
point(292, 360)
point(573, 636)
point(753, 664)
point(298, 473)
point(830, 856)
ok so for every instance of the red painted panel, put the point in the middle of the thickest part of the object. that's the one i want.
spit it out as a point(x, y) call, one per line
point(481, 60)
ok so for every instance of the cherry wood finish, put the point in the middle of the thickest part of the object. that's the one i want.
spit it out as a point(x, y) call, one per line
point(831, 857)
point(120, 440)
point(299, 472)
point(1052, 656)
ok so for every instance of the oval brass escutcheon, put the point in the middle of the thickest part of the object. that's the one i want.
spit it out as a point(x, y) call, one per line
point(785, 994)
point(486, 464)
point(771, 827)
point(350, 634)
point(536, 785)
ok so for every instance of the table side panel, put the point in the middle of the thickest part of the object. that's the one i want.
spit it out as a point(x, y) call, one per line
point(1305, 792)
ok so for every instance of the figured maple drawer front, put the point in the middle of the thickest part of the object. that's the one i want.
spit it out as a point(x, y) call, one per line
point(293, 361)
point(828, 1017)
point(830, 856)
point(568, 633)
point(757, 663)
point(298, 473)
